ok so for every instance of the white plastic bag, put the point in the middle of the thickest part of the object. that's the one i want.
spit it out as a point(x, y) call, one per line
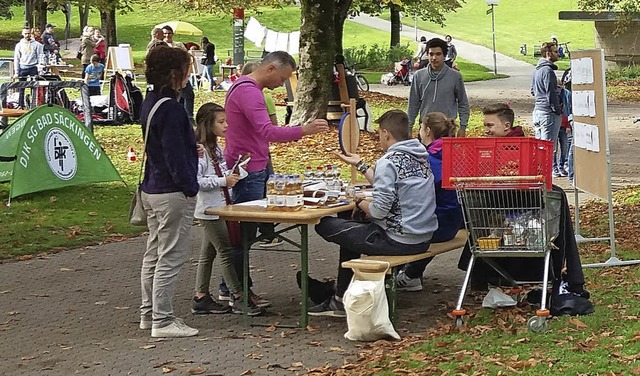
point(365, 302)
point(496, 298)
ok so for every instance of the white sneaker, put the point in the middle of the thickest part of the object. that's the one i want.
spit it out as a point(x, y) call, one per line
point(146, 322)
point(404, 283)
point(176, 329)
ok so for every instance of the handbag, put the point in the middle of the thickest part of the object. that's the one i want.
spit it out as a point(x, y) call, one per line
point(233, 227)
point(137, 214)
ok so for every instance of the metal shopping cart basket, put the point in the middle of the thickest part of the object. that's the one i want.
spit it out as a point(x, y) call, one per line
point(509, 216)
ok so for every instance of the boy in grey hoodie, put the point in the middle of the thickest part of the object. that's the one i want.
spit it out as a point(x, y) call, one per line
point(544, 86)
point(438, 88)
point(401, 214)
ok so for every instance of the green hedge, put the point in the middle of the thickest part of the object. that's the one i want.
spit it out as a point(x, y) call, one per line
point(376, 57)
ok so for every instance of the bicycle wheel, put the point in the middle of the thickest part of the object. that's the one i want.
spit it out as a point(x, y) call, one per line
point(363, 84)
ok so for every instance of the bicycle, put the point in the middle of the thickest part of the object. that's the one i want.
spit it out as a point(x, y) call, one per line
point(565, 49)
point(363, 83)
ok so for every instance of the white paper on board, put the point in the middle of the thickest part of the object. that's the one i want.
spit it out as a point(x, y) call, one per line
point(586, 136)
point(282, 42)
point(584, 103)
point(270, 41)
point(123, 57)
point(582, 71)
point(294, 43)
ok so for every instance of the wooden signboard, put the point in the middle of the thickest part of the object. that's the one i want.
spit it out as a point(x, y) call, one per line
point(119, 59)
point(592, 162)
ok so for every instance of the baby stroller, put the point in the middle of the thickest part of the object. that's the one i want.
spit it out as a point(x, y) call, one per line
point(402, 74)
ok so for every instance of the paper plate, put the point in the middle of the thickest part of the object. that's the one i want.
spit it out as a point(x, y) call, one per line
point(344, 134)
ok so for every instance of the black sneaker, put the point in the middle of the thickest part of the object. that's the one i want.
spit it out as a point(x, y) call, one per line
point(319, 291)
point(237, 306)
point(330, 307)
point(271, 243)
point(206, 305)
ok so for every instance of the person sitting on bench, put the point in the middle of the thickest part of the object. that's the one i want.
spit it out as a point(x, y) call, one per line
point(435, 126)
point(393, 222)
point(569, 295)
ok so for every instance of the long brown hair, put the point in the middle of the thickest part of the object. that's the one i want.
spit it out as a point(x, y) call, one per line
point(440, 125)
point(205, 120)
point(166, 67)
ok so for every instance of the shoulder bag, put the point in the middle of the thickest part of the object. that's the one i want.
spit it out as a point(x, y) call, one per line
point(137, 214)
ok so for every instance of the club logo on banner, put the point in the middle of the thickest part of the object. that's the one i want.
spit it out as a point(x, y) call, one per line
point(61, 155)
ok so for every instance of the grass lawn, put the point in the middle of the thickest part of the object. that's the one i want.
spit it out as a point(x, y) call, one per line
point(516, 22)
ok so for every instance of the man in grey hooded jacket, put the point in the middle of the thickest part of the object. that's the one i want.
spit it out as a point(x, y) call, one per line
point(438, 88)
point(400, 216)
point(547, 113)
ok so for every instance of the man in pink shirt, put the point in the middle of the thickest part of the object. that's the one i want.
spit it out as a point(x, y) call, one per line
point(250, 129)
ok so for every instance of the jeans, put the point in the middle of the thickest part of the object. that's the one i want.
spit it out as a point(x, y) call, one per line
point(169, 218)
point(559, 160)
point(216, 240)
point(23, 74)
point(546, 126)
point(250, 188)
point(570, 158)
point(208, 73)
point(356, 238)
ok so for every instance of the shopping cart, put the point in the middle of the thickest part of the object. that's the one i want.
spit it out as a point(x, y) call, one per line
point(509, 216)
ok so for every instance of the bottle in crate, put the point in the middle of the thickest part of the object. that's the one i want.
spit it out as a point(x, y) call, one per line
point(281, 194)
point(508, 237)
point(319, 174)
point(308, 174)
point(271, 191)
point(329, 177)
point(291, 191)
point(338, 178)
point(299, 191)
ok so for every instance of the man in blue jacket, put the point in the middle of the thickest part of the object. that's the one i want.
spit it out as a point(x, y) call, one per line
point(544, 86)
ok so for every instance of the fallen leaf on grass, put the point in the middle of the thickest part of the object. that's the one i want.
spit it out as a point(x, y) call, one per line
point(248, 372)
point(635, 370)
point(577, 323)
point(66, 270)
point(147, 347)
point(311, 328)
point(101, 302)
point(315, 343)
point(93, 214)
point(297, 364)
point(336, 349)
point(168, 369)
point(28, 357)
point(254, 356)
point(120, 308)
point(53, 199)
point(272, 328)
point(12, 313)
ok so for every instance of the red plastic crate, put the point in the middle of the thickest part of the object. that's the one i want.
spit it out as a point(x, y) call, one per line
point(497, 156)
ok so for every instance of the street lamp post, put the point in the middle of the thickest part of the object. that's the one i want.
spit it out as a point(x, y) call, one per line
point(492, 4)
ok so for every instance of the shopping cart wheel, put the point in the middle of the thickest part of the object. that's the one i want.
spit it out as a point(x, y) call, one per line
point(537, 324)
point(459, 322)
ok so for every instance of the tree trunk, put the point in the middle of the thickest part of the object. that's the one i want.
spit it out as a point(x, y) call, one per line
point(28, 12)
point(83, 12)
point(395, 25)
point(317, 50)
point(108, 26)
point(40, 15)
point(341, 13)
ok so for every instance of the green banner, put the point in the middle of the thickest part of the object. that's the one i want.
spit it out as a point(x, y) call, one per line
point(53, 149)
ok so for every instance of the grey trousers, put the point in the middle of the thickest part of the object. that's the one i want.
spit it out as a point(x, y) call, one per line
point(216, 238)
point(169, 218)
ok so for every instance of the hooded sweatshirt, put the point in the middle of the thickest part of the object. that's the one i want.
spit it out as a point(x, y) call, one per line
point(445, 93)
point(404, 200)
point(544, 85)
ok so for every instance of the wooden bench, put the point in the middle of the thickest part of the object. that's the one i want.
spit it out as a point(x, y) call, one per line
point(391, 263)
